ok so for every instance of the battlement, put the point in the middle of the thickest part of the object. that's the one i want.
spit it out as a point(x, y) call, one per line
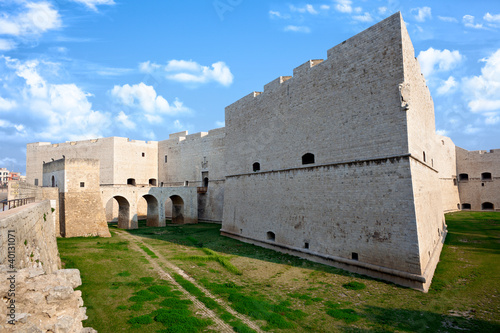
point(196, 135)
point(481, 152)
point(339, 52)
point(177, 135)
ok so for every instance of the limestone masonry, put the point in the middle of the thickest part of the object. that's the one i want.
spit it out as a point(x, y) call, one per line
point(339, 163)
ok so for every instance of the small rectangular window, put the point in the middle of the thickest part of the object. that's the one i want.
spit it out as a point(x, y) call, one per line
point(82, 184)
point(354, 256)
point(36, 182)
point(165, 158)
point(143, 154)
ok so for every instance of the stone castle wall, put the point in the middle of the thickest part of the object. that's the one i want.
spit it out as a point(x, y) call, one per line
point(37, 295)
point(120, 158)
point(477, 189)
point(81, 211)
point(185, 160)
point(34, 232)
point(356, 201)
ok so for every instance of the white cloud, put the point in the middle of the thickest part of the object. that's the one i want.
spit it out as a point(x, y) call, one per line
point(447, 19)
point(183, 65)
point(178, 125)
point(6, 45)
point(148, 67)
point(144, 98)
point(447, 86)
point(34, 19)
point(6, 104)
point(188, 71)
point(276, 14)
point(306, 9)
point(444, 60)
point(358, 10)
point(442, 132)
point(296, 28)
point(421, 13)
point(220, 123)
point(483, 91)
point(492, 18)
point(123, 119)
point(471, 129)
point(366, 17)
point(56, 111)
point(344, 6)
point(492, 119)
point(382, 10)
point(324, 7)
point(468, 21)
point(92, 4)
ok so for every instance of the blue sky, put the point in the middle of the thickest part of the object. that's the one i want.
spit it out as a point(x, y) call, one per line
point(80, 69)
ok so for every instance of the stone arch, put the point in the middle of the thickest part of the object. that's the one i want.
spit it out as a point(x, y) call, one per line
point(487, 206)
point(153, 215)
point(123, 211)
point(177, 209)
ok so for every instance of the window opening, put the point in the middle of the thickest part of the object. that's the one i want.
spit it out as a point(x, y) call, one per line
point(486, 176)
point(308, 158)
point(271, 236)
point(131, 181)
point(82, 184)
point(463, 177)
point(354, 256)
point(256, 166)
point(466, 206)
point(487, 206)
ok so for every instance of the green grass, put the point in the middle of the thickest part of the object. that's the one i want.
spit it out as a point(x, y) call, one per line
point(283, 293)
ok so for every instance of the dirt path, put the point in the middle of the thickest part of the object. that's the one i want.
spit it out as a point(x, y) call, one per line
point(221, 325)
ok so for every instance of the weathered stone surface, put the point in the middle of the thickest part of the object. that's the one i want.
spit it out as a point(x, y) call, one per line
point(44, 303)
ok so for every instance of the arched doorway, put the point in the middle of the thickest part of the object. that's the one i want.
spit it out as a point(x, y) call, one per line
point(153, 215)
point(177, 210)
point(123, 211)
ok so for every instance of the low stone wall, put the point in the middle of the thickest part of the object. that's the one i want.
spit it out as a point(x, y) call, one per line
point(36, 296)
point(27, 237)
point(42, 302)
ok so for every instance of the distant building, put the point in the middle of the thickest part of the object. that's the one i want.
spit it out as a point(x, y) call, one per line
point(4, 176)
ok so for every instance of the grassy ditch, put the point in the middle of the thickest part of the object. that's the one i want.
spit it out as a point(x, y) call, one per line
point(282, 293)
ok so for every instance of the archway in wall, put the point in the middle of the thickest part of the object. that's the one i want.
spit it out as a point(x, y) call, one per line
point(153, 212)
point(123, 211)
point(177, 209)
point(168, 209)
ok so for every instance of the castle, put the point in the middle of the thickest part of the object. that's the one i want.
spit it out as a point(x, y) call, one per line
point(339, 163)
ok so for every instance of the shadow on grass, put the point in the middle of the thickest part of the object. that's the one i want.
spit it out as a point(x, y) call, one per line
point(392, 320)
point(207, 235)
